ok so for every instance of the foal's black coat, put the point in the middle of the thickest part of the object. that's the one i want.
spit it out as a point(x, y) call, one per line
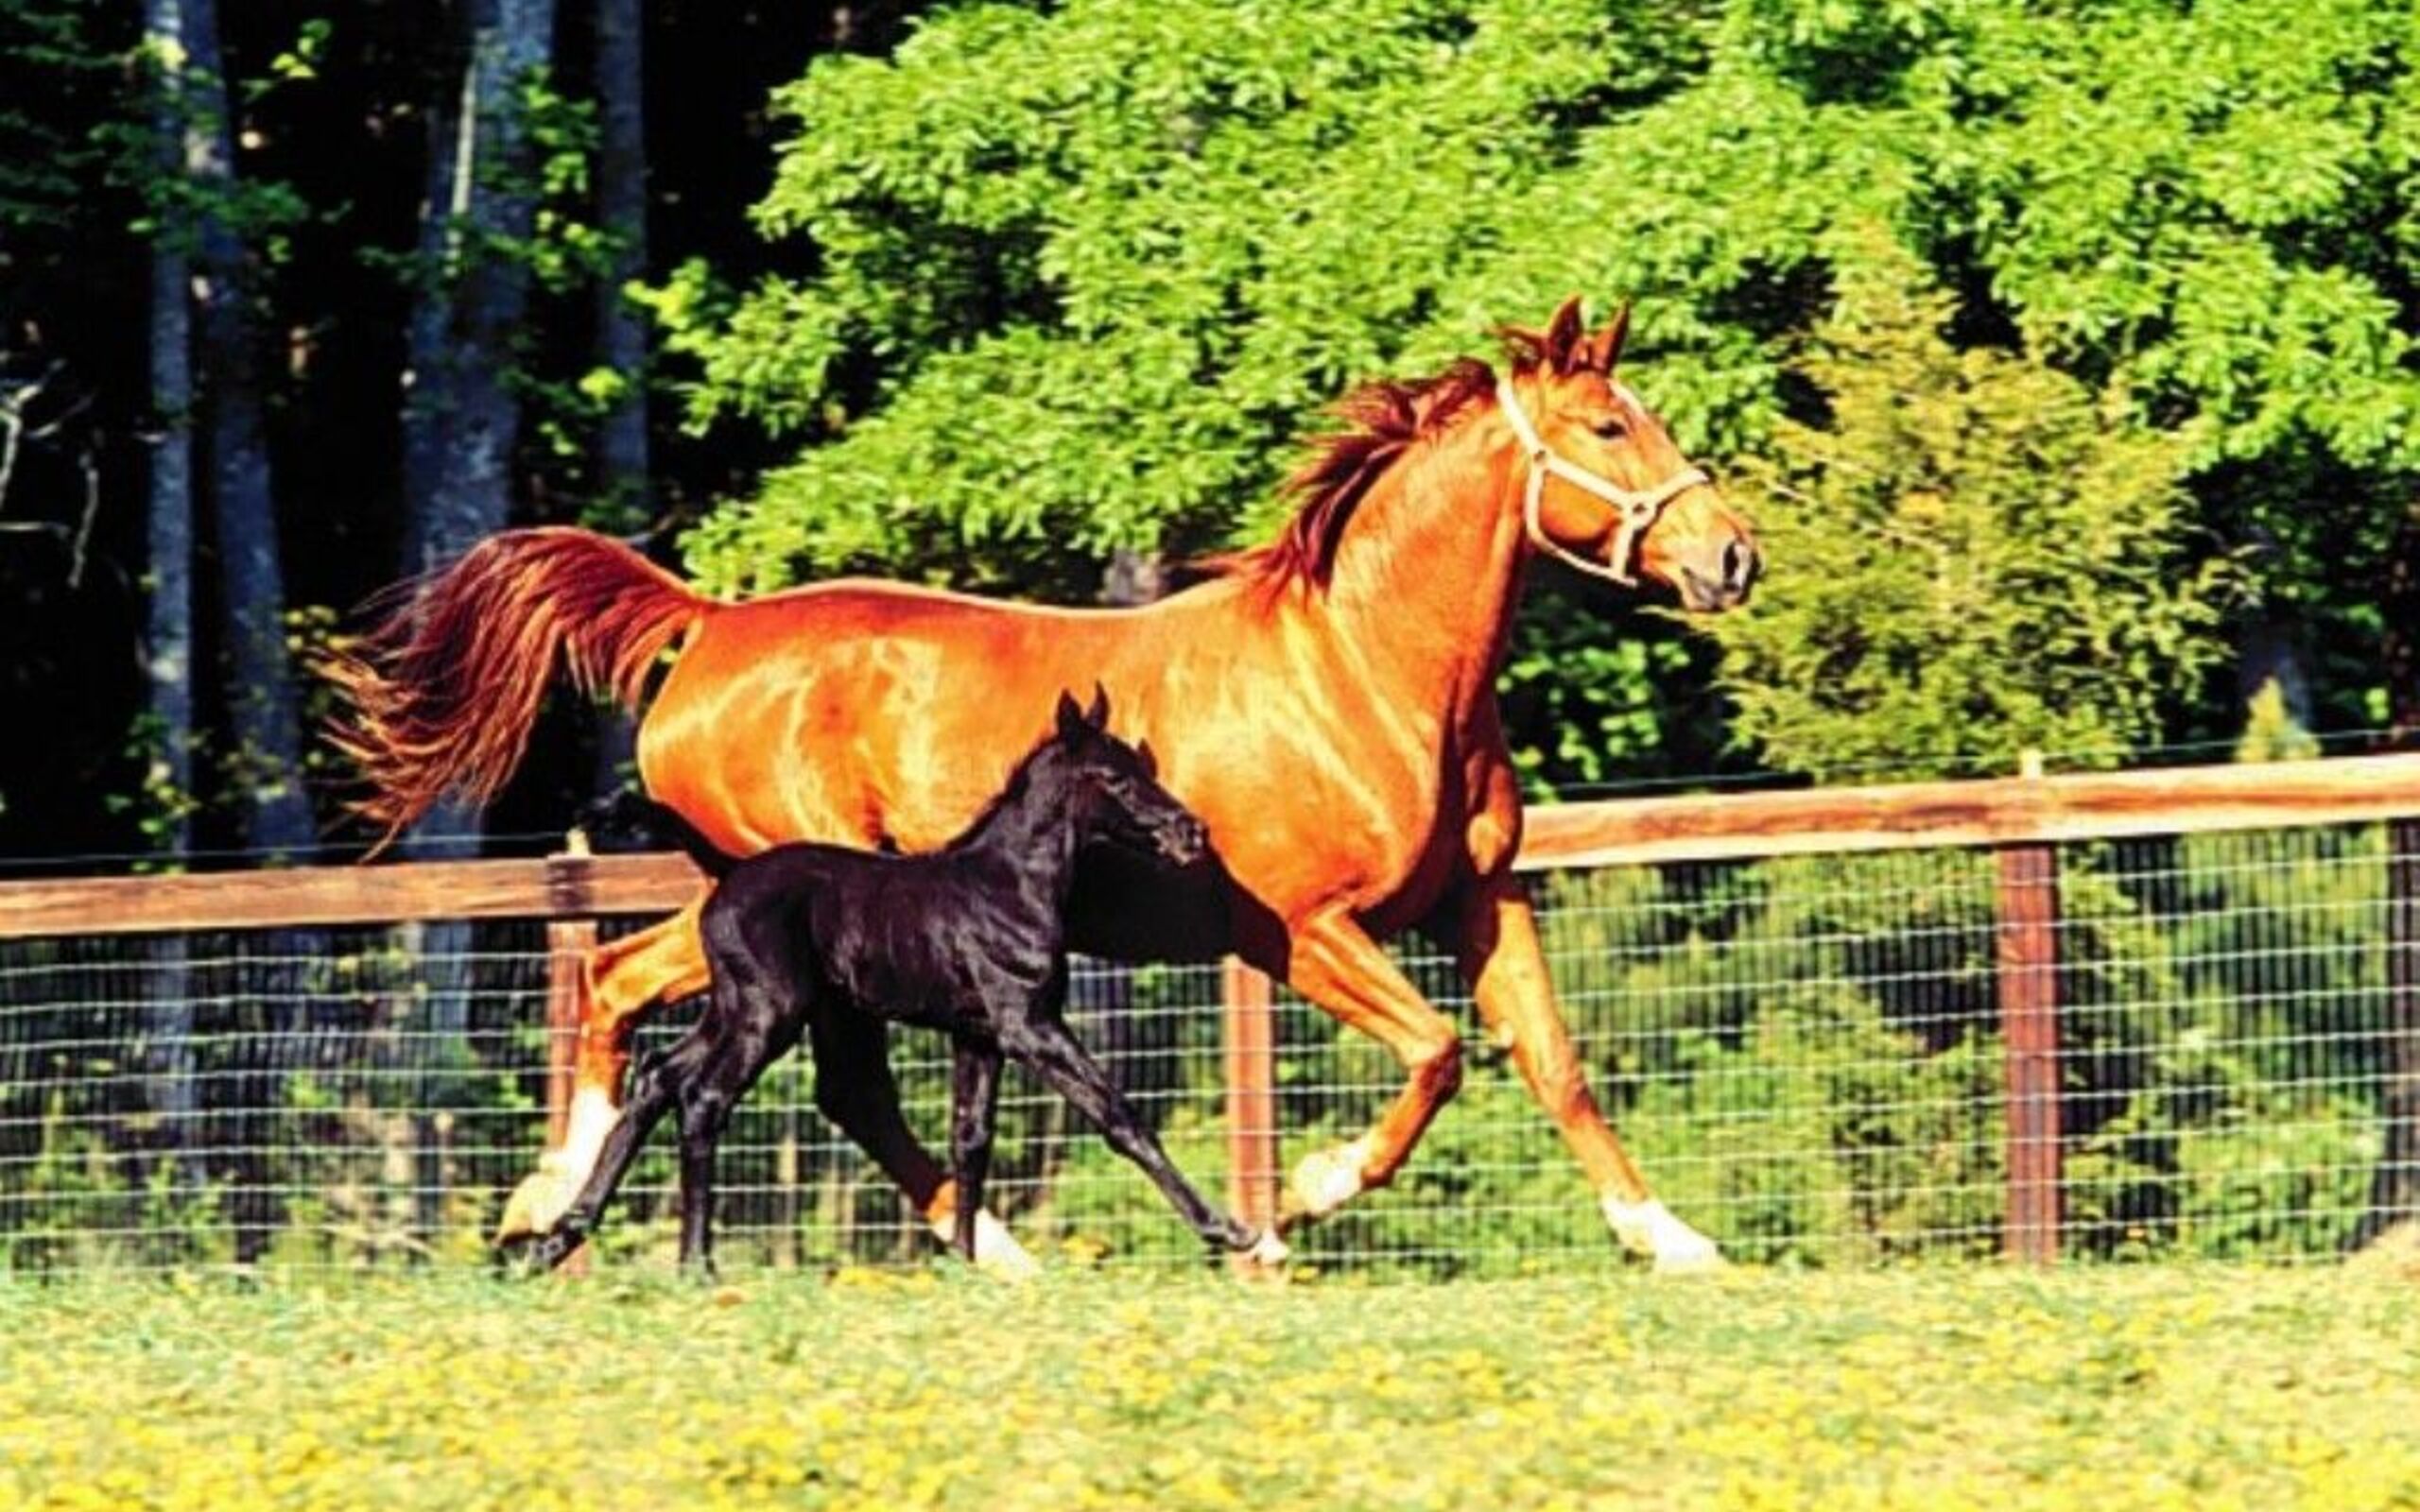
point(971, 940)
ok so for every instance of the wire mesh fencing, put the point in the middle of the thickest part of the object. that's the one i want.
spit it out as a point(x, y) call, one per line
point(1811, 1058)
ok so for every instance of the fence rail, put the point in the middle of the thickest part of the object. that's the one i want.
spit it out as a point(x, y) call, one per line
point(2027, 1015)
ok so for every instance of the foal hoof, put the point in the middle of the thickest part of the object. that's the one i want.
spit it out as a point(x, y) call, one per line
point(531, 1256)
point(537, 1204)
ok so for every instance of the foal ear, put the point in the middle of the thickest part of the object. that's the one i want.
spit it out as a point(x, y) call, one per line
point(1070, 717)
point(1562, 345)
point(1601, 351)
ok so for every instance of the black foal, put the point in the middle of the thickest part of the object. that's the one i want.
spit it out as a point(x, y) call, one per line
point(971, 940)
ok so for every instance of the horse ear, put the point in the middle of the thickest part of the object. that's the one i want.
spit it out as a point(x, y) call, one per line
point(1562, 345)
point(1070, 717)
point(1151, 759)
point(1605, 347)
point(1098, 715)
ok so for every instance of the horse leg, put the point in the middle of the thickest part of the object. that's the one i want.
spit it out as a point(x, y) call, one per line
point(1336, 964)
point(1055, 1054)
point(975, 1105)
point(854, 1088)
point(1501, 958)
point(625, 977)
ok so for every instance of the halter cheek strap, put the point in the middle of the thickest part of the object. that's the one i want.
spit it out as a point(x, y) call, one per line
point(1634, 512)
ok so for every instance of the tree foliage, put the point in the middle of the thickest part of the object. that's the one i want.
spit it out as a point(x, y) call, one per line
point(1082, 274)
point(1032, 285)
point(1073, 278)
point(1981, 557)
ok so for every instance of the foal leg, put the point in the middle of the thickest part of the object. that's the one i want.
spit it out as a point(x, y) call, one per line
point(1507, 969)
point(623, 980)
point(975, 1105)
point(1055, 1054)
point(854, 1088)
point(1336, 964)
point(656, 1093)
point(754, 1019)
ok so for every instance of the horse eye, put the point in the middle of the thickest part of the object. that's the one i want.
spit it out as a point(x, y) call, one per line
point(1611, 428)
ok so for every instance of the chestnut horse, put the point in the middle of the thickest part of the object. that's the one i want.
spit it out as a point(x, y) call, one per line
point(1326, 703)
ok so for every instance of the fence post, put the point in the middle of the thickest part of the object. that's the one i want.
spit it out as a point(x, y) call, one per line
point(1252, 1094)
point(2028, 998)
point(569, 943)
point(2395, 1186)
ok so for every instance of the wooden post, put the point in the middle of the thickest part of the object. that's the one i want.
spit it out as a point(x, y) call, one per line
point(2395, 1184)
point(2029, 995)
point(569, 944)
point(1251, 1094)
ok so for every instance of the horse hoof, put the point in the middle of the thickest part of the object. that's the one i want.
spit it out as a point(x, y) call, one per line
point(1650, 1228)
point(536, 1205)
point(1325, 1181)
point(1705, 1260)
point(1268, 1252)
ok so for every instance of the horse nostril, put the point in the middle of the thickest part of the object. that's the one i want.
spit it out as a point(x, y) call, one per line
point(1738, 567)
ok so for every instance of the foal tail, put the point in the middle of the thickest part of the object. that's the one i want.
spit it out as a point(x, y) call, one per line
point(634, 815)
point(441, 694)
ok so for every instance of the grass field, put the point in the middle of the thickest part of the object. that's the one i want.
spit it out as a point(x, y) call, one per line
point(2099, 1388)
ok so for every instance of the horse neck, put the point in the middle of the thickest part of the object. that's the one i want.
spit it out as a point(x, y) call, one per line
point(1029, 834)
point(1427, 577)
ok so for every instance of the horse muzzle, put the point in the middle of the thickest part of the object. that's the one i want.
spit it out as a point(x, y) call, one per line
point(1727, 582)
point(1182, 842)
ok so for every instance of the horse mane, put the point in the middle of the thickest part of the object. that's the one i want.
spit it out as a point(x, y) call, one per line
point(1382, 420)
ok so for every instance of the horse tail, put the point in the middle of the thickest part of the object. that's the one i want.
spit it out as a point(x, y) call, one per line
point(441, 693)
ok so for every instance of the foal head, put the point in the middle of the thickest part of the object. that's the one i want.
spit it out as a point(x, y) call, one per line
point(1110, 789)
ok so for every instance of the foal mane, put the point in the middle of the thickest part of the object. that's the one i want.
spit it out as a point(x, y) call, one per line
point(1382, 421)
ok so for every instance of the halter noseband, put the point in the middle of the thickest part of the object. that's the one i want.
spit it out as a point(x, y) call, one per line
point(1635, 510)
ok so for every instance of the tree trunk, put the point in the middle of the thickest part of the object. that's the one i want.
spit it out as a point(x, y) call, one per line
point(461, 424)
point(263, 716)
point(167, 650)
point(265, 723)
point(621, 210)
point(428, 365)
point(621, 332)
point(512, 42)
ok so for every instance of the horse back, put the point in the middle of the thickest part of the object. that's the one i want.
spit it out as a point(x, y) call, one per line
point(880, 715)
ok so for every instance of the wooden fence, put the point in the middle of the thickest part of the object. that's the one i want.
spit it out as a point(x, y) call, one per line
point(2021, 819)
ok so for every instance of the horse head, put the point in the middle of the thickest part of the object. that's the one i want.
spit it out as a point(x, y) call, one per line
point(1606, 490)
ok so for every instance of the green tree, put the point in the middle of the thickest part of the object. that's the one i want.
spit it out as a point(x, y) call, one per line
point(1078, 277)
point(1081, 277)
point(1979, 557)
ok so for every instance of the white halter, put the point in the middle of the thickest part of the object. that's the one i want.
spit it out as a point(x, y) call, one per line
point(1636, 510)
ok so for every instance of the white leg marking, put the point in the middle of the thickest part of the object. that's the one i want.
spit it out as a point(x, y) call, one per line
point(1650, 1228)
point(1325, 1181)
point(542, 1199)
point(1268, 1250)
point(593, 1117)
point(996, 1250)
